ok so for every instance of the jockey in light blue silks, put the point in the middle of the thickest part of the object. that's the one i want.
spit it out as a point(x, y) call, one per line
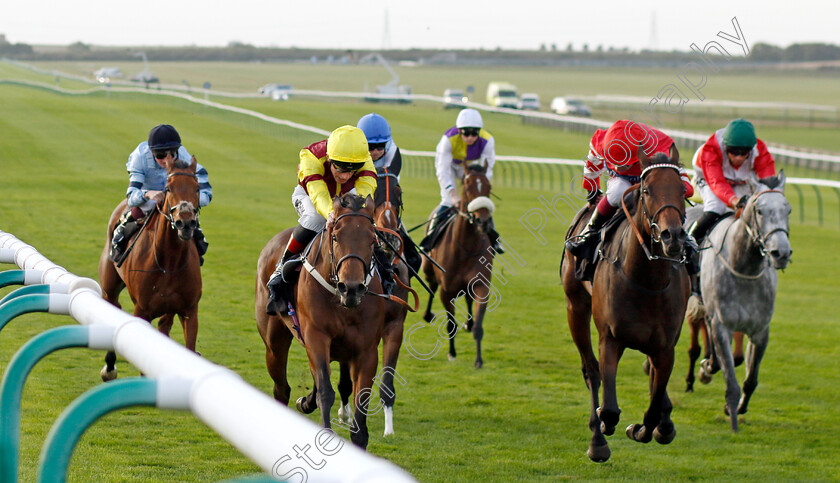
point(147, 178)
point(461, 145)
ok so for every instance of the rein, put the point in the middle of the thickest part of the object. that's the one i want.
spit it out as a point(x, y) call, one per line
point(334, 266)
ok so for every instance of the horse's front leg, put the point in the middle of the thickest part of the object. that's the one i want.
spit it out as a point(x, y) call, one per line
point(755, 352)
point(481, 295)
point(363, 370)
point(722, 339)
point(433, 286)
point(189, 322)
point(655, 421)
point(391, 341)
point(165, 324)
point(610, 354)
point(451, 323)
point(345, 390)
point(318, 350)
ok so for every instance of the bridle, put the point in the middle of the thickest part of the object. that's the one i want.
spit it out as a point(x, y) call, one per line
point(168, 214)
point(755, 233)
point(655, 230)
point(335, 265)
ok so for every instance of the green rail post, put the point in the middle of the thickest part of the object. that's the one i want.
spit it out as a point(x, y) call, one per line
point(837, 193)
point(11, 277)
point(84, 411)
point(801, 203)
point(819, 203)
point(26, 290)
point(11, 388)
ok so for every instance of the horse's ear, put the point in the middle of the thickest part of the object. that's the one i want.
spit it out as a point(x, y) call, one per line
point(674, 154)
point(782, 178)
point(644, 160)
point(369, 204)
point(193, 164)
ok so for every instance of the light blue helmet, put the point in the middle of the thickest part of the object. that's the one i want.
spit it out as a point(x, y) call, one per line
point(375, 127)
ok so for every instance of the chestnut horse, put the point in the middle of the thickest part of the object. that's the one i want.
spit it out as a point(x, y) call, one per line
point(162, 270)
point(464, 258)
point(637, 299)
point(337, 322)
point(387, 211)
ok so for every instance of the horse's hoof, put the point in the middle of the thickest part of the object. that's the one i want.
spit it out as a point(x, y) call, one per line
point(479, 364)
point(108, 375)
point(467, 326)
point(738, 361)
point(428, 316)
point(607, 430)
point(664, 438)
point(598, 454)
point(704, 376)
point(634, 432)
point(300, 406)
point(689, 388)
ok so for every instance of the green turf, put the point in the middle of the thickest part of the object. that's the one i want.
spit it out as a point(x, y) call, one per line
point(523, 417)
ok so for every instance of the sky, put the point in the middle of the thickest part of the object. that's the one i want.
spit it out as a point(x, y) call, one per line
point(435, 24)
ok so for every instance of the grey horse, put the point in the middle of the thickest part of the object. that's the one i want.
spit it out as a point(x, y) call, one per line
point(738, 283)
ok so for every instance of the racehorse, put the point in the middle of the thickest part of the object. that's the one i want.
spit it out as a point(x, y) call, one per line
point(336, 321)
point(739, 284)
point(695, 316)
point(637, 298)
point(464, 260)
point(387, 211)
point(162, 269)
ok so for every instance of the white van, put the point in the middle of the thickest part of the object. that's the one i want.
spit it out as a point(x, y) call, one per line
point(502, 94)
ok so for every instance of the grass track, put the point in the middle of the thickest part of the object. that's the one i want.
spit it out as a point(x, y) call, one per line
point(522, 417)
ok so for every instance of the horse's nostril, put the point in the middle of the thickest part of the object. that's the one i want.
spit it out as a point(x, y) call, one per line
point(179, 224)
point(192, 224)
point(341, 287)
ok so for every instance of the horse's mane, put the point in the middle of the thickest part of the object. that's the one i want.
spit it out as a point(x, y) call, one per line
point(381, 187)
point(352, 201)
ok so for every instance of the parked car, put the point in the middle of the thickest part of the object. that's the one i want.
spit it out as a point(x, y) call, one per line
point(570, 106)
point(529, 101)
point(454, 98)
point(278, 92)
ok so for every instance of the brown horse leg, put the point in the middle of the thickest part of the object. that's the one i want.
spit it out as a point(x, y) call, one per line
point(345, 390)
point(738, 348)
point(318, 350)
point(391, 341)
point(279, 339)
point(610, 354)
point(663, 364)
point(165, 324)
point(429, 316)
point(189, 321)
point(478, 327)
point(451, 324)
point(578, 315)
point(755, 352)
point(468, 325)
point(693, 353)
point(362, 369)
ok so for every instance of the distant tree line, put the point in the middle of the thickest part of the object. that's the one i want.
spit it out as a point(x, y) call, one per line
point(241, 52)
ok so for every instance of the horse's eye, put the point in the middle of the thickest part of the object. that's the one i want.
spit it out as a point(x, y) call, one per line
point(334, 238)
point(758, 211)
point(645, 191)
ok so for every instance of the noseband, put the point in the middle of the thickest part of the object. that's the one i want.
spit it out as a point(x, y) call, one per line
point(755, 233)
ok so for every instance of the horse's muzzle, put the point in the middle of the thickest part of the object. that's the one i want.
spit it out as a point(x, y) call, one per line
point(186, 228)
point(673, 241)
point(351, 293)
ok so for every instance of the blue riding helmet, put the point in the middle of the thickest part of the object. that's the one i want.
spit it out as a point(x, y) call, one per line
point(164, 136)
point(375, 127)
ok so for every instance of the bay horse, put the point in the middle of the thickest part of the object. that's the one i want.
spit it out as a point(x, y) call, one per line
point(464, 260)
point(637, 299)
point(336, 320)
point(387, 213)
point(162, 271)
point(738, 280)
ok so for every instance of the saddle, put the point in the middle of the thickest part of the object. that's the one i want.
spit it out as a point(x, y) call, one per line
point(440, 228)
point(585, 265)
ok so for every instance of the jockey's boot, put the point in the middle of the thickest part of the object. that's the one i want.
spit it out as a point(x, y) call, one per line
point(494, 238)
point(122, 232)
point(576, 245)
point(412, 257)
point(436, 219)
point(201, 243)
point(696, 235)
point(285, 274)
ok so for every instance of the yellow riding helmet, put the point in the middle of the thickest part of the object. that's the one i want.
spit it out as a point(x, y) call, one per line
point(347, 148)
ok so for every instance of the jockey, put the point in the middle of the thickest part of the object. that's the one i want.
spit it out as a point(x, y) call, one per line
point(463, 144)
point(385, 154)
point(615, 150)
point(335, 166)
point(147, 178)
point(723, 166)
